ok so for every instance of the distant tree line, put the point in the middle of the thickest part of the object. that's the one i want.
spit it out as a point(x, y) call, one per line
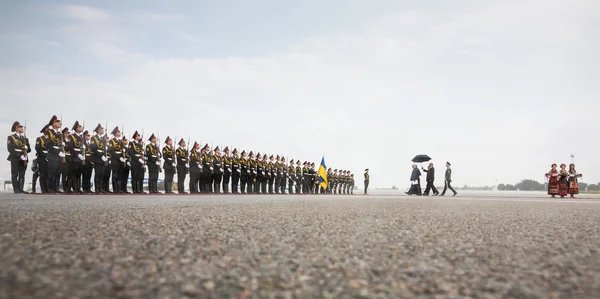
point(531, 185)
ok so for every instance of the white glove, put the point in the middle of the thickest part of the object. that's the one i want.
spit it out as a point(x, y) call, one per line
point(157, 163)
point(80, 157)
point(23, 158)
point(103, 158)
point(128, 164)
point(229, 169)
point(211, 168)
point(61, 154)
point(248, 171)
point(221, 169)
point(174, 164)
point(186, 165)
point(122, 159)
point(239, 170)
point(141, 161)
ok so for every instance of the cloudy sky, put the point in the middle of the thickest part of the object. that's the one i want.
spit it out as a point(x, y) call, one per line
point(500, 88)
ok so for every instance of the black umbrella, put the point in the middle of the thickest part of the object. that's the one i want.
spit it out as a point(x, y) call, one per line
point(421, 158)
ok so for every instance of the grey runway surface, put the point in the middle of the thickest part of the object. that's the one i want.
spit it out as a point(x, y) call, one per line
point(283, 246)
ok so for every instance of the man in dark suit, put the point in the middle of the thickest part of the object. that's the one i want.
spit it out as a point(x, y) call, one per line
point(18, 150)
point(430, 178)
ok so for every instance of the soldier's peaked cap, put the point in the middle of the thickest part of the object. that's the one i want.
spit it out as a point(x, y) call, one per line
point(98, 128)
point(15, 125)
point(206, 145)
point(217, 148)
point(151, 137)
point(181, 141)
point(235, 150)
point(135, 134)
point(115, 130)
point(86, 133)
point(168, 139)
point(448, 163)
point(367, 169)
point(65, 130)
point(258, 155)
point(271, 157)
point(243, 151)
point(76, 125)
point(44, 129)
point(335, 169)
point(251, 153)
point(277, 157)
point(226, 149)
point(292, 161)
point(196, 144)
point(53, 119)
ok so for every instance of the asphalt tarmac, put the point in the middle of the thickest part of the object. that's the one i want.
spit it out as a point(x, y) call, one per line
point(282, 246)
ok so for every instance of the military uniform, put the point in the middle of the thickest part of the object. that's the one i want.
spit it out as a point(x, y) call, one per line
point(207, 171)
point(56, 155)
point(76, 146)
point(41, 149)
point(107, 166)
point(366, 180)
point(261, 175)
point(18, 150)
point(299, 178)
point(245, 175)
point(291, 176)
point(283, 175)
point(329, 179)
point(236, 171)
point(313, 179)
point(117, 159)
point(217, 161)
point(138, 164)
point(153, 155)
point(125, 168)
point(182, 166)
point(271, 174)
point(448, 180)
point(88, 168)
point(195, 169)
point(227, 164)
point(252, 186)
point(169, 165)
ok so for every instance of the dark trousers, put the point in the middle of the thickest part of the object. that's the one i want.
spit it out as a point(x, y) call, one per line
point(106, 178)
point(235, 179)
point(205, 182)
point(217, 178)
point(75, 176)
point(243, 183)
point(169, 174)
point(53, 176)
point(153, 178)
point(250, 184)
point(448, 186)
point(194, 182)
point(282, 185)
point(271, 182)
point(226, 180)
point(431, 187)
point(181, 174)
point(43, 165)
point(34, 179)
point(366, 186)
point(116, 177)
point(99, 177)
point(64, 174)
point(137, 178)
point(123, 177)
point(258, 185)
point(87, 170)
point(264, 182)
point(17, 174)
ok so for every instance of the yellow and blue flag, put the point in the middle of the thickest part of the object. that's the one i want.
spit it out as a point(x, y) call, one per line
point(323, 174)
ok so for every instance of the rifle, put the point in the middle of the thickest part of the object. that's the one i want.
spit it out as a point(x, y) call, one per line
point(83, 144)
point(24, 144)
point(159, 152)
point(187, 157)
point(61, 146)
point(123, 149)
point(106, 144)
point(142, 156)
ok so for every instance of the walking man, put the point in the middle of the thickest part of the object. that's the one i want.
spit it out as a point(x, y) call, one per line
point(366, 180)
point(448, 180)
point(430, 178)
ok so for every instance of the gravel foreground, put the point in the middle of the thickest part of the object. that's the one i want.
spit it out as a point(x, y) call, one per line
point(297, 247)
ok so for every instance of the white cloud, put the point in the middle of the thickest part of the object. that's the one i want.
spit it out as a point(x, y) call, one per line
point(474, 88)
point(87, 13)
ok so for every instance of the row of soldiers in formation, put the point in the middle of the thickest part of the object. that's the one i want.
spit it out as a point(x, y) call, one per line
point(74, 156)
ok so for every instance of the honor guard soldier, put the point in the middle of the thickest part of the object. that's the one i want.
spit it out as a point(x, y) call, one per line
point(182, 166)
point(267, 175)
point(334, 181)
point(64, 167)
point(76, 146)
point(217, 177)
point(260, 174)
point(283, 176)
point(291, 176)
point(56, 155)
point(107, 165)
point(125, 168)
point(245, 173)
point(170, 165)
point(305, 178)
point(99, 158)
point(272, 171)
point(117, 159)
point(298, 179)
point(195, 168)
point(35, 168)
point(313, 179)
point(136, 152)
point(253, 175)
point(366, 180)
point(18, 150)
point(227, 167)
point(352, 184)
point(88, 168)
point(236, 171)
point(41, 149)
point(329, 181)
point(153, 155)
point(207, 170)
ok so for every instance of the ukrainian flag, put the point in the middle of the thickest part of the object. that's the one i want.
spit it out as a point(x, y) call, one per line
point(323, 174)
